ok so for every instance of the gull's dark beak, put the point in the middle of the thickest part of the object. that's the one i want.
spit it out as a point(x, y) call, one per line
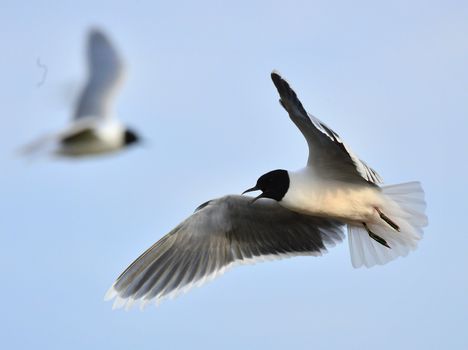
point(255, 188)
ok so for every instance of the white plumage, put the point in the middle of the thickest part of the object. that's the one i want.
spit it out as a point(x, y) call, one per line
point(405, 205)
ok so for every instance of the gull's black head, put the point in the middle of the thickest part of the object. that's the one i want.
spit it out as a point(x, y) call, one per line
point(273, 184)
point(130, 137)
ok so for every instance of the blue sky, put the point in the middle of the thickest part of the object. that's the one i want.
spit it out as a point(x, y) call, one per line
point(390, 77)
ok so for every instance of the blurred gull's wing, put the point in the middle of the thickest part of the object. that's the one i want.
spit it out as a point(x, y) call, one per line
point(105, 73)
point(328, 154)
point(78, 127)
point(220, 234)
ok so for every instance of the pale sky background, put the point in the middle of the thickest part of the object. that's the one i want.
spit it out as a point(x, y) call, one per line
point(391, 77)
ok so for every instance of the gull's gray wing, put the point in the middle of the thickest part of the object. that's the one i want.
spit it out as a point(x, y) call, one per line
point(80, 129)
point(105, 72)
point(328, 154)
point(221, 233)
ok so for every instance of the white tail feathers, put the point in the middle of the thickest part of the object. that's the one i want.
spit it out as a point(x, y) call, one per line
point(405, 206)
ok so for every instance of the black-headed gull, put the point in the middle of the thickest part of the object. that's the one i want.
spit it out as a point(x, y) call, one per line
point(384, 222)
point(94, 129)
point(298, 213)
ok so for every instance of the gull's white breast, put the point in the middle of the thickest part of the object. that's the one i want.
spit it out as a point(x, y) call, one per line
point(313, 195)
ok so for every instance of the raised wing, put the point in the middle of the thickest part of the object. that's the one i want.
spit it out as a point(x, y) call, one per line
point(220, 234)
point(328, 154)
point(105, 72)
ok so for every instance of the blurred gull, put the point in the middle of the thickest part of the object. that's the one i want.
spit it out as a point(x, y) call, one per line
point(93, 130)
point(298, 213)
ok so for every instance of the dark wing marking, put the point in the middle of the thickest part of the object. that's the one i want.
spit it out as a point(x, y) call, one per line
point(327, 152)
point(82, 136)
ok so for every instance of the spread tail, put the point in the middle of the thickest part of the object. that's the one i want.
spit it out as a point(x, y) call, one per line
point(405, 209)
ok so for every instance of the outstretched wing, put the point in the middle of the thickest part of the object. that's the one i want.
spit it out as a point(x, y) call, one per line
point(220, 234)
point(82, 129)
point(105, 72)
point(329, 155)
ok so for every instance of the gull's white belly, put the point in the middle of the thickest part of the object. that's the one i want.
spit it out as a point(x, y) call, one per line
point(347, 202)
point(107, 138)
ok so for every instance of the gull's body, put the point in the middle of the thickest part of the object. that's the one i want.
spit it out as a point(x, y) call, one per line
point(94, 128)
point(312, 194)
point(99, 138)
point(298, 213)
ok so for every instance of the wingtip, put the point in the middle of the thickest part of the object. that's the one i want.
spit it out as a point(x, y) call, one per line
point(110, 294)
point(276, 76)
point(95, 32)
point(275, 72)
point(281, 84)
point(97, 36)
point(119, 303)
